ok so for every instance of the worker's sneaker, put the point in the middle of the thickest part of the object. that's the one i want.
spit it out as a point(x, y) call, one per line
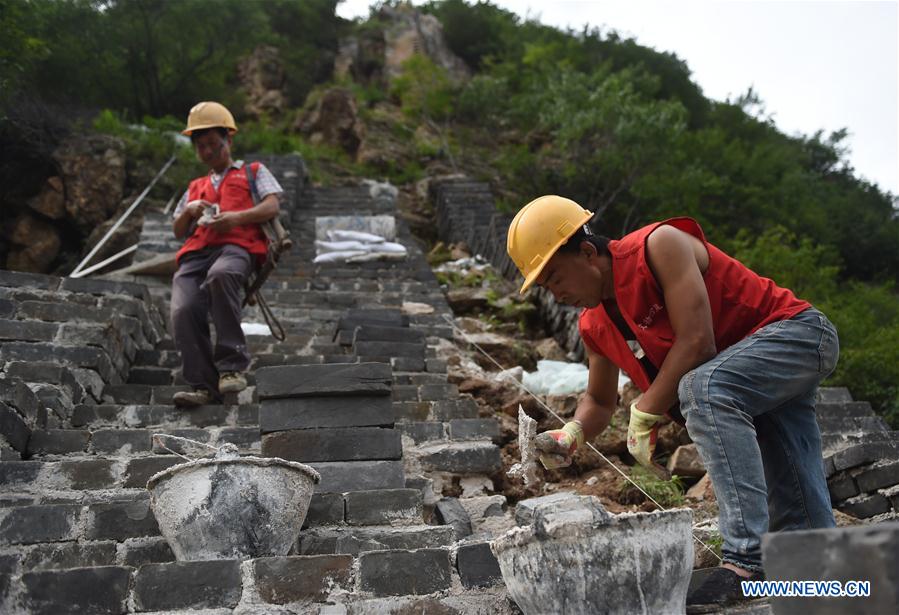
point(192, 399)
point(232, 382)
point(721, 586)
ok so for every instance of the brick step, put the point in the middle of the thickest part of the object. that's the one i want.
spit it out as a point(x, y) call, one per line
point(456, 429)
point(352, 541)
point(851, 425)
point(837, 442)
point(834, 395)
point(869, 448)
point(150, 375)
point(442, 410)
point(473, 457)
point(343, 476)
point(334, 444)
point(134, 442)
point(395, 507)
point(859, 409)
point(163, 416)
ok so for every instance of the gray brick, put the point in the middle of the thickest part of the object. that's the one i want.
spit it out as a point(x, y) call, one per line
point(474, 429)
point(120, 520)
point(188, 585)
point(841, 487)
point(436, 366)
point(833, 395)
point(17, 279)
point(28, 330)
point(318, 412)
point(7, 308)
point(128, 393)
point(437, 392)
point(356, 444)
point(325, 509)
point(281, 580)
point(386, 350)
point(243, 437)
point(42, 523)
point(359, 539)
point(400, 573)
point(407, 364)
point(425, 431)
point(477, 565)
point(120, 441)
point(836, 410)
point(462, 408)
point(416, 411)
point(865, 453)
point(16, 394)
point(58, 441)
point(14, 428)
point(88, 473)
point(79, 590)
point(139, 471)
point(104, 287)
point(319, 380)
point(342, 476)
point(182, 448)
point(361, 318)
point(15, 475)
point(69, 555)
point(450, 512)
point(376, 333)
point(404, 393)
point(384, 507)
point(864, 506)
point(865, 552)
point(84, 415)
point(877, 476)
point(151, 550)
point(150, 375)
point(459, 458)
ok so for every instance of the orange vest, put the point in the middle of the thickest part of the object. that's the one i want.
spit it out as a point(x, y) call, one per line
point(742, 302)
point(233, 194)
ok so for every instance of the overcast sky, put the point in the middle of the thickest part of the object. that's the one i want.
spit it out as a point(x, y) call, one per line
point(816, 65)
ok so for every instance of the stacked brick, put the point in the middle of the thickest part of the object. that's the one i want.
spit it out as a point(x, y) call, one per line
point(76, 530)
point(861, 457)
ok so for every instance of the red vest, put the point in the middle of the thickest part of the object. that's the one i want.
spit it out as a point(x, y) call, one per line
point(233, 194)
point(741, 300)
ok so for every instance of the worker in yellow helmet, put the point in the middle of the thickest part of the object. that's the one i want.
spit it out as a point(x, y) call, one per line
point(728, 352)
point(224, 242)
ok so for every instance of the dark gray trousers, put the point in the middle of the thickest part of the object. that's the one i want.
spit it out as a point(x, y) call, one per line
point(207, 281)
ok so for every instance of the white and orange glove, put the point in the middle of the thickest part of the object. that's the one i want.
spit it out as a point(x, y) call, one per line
point(642, 433)
point(558, 445)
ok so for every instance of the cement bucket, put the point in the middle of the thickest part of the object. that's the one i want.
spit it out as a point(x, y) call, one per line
point(577, 562)
point(232, 507)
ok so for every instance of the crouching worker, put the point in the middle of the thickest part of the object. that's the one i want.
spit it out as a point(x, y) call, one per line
point(728, 351)
point(224, 243)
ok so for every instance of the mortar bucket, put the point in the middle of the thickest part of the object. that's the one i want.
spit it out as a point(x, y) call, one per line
point(232, 507)
point(634, 563)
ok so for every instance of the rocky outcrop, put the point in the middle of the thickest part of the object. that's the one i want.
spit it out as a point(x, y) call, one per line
point(51, 200)
point(35, 244)
point(262, 78)
point(334, 120)
point(93, 172)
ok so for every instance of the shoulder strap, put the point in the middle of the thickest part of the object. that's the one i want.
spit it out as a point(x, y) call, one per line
point(251, 179)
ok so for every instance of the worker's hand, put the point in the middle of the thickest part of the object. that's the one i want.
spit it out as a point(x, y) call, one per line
point(224, 222)
point(642, 432)
point(196, 208)
point(558, 445)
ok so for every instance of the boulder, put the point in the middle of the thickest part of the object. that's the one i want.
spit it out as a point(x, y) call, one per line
point(51, 201)
point(35, 247)
point(93, 171)
point(686, 462)
point(549, 348)
point(702, 491)
point(334, 120)
point(262, 77)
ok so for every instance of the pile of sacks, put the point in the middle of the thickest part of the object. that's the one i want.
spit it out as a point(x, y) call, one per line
point(356, 247)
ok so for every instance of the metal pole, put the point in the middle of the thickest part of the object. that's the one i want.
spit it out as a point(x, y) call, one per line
point(100, 265)
point(116, 226)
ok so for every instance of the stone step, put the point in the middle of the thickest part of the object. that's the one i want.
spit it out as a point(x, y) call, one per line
point(848, 409)
point(835, 442)
point(134, 442)
point(355, 540)
point(869, 448)
point(474, 457)
point(338, 444)
point(163, 416)
point(851, 425)
point(343, 476)
point(156, 376)
point(834, 395)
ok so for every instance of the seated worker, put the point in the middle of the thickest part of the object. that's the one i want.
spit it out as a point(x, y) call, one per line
point(220, 252)
point(736, 356)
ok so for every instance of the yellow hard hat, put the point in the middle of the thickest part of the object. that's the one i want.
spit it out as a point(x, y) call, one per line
point(209, 115)
point(539, 229)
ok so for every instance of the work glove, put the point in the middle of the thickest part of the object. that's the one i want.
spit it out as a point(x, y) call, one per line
point(642, 432)
point(558, 445)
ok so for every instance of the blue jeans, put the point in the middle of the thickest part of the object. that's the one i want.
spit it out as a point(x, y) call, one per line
point(751, 412)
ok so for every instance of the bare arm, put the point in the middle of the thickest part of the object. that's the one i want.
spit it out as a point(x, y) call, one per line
point(675, 262)
point(598, 403)
point(188, 215)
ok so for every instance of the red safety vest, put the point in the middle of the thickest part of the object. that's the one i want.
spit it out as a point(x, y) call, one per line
point(233, 194)
point(742, 302)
